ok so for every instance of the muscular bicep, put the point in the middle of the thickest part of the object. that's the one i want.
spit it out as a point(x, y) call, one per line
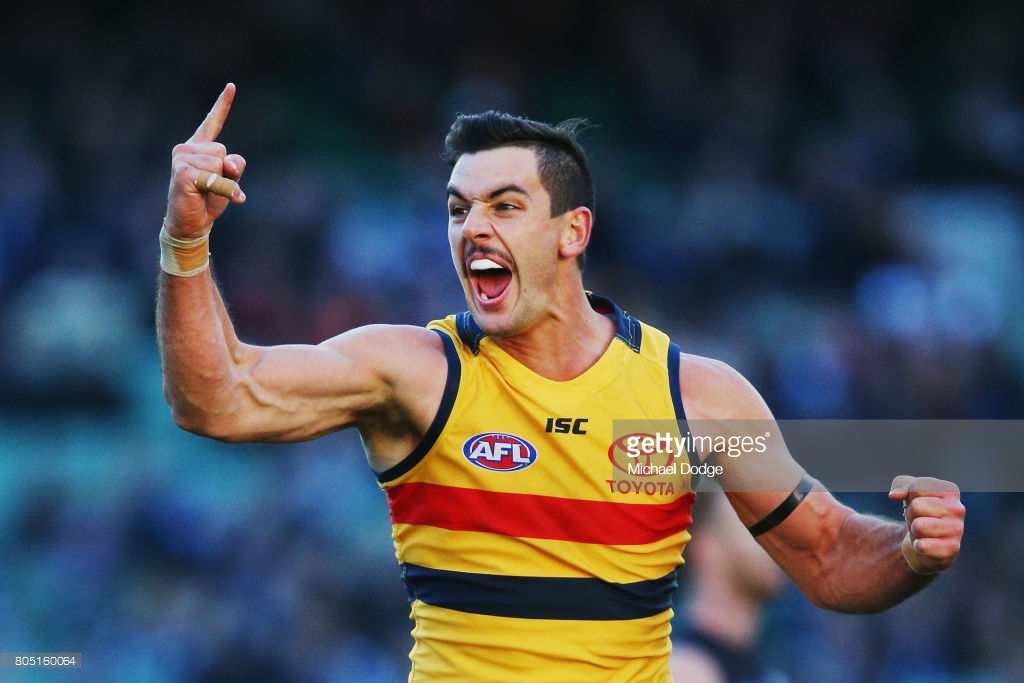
point(297, 392)
point(738, 436)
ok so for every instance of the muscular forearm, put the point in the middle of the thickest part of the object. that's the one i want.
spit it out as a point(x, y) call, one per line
point(866, 571)
point(199, 352)
point(844, 560)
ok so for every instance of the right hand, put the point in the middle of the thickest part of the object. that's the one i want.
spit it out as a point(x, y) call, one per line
point(190, 212)
point(935, 521)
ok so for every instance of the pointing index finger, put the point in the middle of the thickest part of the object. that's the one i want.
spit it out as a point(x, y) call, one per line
point(211, 126)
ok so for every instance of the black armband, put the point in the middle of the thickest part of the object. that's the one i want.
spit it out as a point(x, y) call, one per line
point(784, 509)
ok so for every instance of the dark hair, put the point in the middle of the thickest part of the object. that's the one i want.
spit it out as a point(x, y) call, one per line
point(561, 161)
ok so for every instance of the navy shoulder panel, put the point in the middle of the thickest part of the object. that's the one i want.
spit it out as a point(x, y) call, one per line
point(469, 332)
point(627, 328)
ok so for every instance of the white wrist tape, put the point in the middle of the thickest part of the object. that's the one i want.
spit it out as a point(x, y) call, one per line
point(908, 549)
point(184, 258)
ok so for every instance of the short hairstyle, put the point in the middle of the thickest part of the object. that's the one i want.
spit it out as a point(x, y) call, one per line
point(561, 162)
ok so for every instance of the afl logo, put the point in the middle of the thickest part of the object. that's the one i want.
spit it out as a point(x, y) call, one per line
point(499, 452)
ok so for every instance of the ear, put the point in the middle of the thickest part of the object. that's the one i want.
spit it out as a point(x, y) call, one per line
point(575, 232)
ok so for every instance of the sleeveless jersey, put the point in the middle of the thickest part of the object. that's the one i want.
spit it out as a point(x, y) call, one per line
point(527, 551)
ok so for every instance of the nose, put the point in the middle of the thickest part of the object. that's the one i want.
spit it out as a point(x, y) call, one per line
point(477, 226)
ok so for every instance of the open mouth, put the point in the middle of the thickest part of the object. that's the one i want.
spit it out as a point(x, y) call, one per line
point(490, 280)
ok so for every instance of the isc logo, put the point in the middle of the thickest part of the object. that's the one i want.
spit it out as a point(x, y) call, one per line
point(566, 425)
point(499, 452)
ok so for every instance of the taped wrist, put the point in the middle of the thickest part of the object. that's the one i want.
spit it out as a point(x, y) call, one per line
point(184, 258)
point(784, 509)
point(907, 546)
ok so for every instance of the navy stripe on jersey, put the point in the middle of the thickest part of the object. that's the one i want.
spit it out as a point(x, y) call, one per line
point(538, 597)
point(677, 401)
point(451, 389)
point(673, 381)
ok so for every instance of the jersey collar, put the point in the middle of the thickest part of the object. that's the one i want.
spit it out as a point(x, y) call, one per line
point(627, 328)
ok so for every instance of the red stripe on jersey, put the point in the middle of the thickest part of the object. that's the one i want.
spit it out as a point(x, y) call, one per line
point(532, 516)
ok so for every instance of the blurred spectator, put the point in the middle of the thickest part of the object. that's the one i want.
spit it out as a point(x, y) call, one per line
point(731, 582)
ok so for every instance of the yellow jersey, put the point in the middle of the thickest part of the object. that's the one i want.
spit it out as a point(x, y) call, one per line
point(527, 554)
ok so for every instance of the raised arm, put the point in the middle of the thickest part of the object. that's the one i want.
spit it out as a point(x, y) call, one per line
point(841, 559)
point(381, 378)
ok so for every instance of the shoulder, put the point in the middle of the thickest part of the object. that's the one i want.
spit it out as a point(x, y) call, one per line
point(714, 390)
point(384, 342)
point(407, 369)
point(404, 361)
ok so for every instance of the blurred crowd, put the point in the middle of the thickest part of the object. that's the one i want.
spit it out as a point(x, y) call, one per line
point(825, 196)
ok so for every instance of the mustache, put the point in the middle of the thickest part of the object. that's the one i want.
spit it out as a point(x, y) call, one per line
point(470, 250)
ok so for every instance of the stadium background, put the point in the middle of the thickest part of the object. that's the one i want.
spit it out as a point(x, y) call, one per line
point(826, 197)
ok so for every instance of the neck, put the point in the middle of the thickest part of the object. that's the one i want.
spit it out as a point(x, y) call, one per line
point(566, 343)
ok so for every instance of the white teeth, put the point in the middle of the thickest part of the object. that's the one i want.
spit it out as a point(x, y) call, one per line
point(485, 264)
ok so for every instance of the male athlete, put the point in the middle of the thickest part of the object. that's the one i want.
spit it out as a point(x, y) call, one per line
point(526, 556)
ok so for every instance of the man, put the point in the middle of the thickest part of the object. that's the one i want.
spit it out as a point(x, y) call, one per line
point(526, 557)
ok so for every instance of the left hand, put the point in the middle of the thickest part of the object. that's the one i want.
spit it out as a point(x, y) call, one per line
point(935, 521)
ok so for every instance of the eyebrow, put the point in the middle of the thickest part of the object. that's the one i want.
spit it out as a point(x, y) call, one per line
point(452, 191)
